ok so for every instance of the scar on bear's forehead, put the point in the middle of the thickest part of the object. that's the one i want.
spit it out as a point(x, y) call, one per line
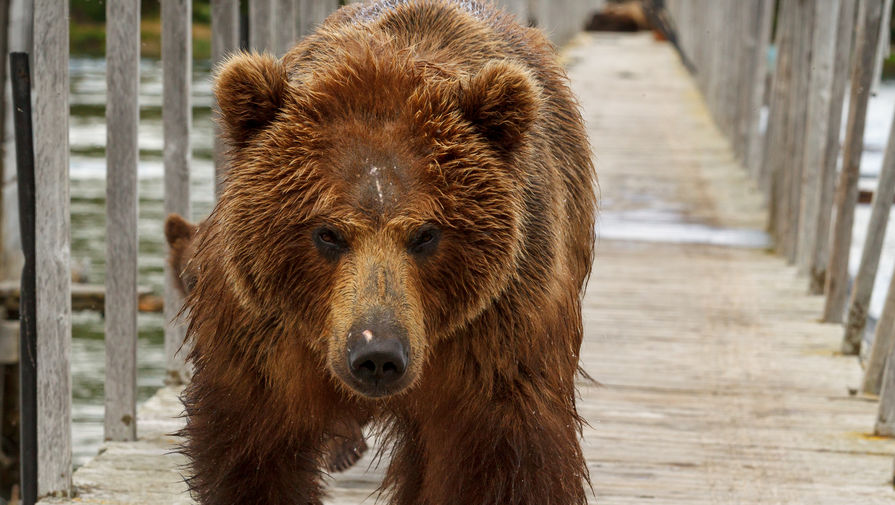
point(379, 185)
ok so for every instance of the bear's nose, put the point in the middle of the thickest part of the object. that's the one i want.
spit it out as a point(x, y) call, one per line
point(377, 360)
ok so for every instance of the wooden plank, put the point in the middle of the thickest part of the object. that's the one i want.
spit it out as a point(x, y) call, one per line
point(177, 116)
point(759, 64)
point(836, 287)
point(122, 117)
point(261, 25)
point(879, 377)
point(778, 119)
point(53, 246)
point(856, 321)
point(283, 26)
point(792, 182)
point(823, 49)
point(224, 40)
point(844, 43)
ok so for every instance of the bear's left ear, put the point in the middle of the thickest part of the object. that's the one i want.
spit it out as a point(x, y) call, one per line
point(502, 101)
point(250, 89)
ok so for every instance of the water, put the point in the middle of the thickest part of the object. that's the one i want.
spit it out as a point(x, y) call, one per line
point(88, 171)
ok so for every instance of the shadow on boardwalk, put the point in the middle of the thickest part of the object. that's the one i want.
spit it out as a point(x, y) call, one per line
point(718, 384)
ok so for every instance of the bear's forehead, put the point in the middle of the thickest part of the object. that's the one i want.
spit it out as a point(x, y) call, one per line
point(377, 182)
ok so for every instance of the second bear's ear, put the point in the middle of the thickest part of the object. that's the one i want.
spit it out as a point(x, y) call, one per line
point(250, 89)
point(502, 101)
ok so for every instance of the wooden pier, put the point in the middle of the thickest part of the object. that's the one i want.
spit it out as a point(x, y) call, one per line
point(718, 382)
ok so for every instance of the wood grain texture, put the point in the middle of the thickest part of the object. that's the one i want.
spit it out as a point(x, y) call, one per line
point(862, 289)
point(823, 57)
point(759, 65)
point(283, 26)
point(845, 31)
point(719, 386)
point(177, 116)
point(122, 117)
point(51, 87)
point(261, 25)
point(224, 40)
point(836, 287)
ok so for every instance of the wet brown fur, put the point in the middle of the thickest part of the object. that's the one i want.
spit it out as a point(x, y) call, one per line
point(394, 115)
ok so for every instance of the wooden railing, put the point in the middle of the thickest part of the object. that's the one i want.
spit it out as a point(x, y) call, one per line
point(273, 25)
point(821, 50)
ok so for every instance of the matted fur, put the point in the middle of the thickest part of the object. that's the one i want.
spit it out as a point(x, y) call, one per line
point(392, 116)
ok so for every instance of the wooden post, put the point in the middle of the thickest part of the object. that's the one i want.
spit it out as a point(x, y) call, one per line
point(122, 117)
point(873, 244)
point(820, 85)
point(24, 132)
point(778, 119)
point(224, 40)
point(284, 26)
point(836, 288)
point(798, 103)
point(260, 25)
point(885, 420)
point(881, 350)
point(53, 247)
point(844, 43)
point(177, 116)
point(758, 80)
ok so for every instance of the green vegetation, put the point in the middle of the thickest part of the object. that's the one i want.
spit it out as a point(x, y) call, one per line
point(88, 29)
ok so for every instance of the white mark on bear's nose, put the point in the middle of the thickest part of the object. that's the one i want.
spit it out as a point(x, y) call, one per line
point(368, 335)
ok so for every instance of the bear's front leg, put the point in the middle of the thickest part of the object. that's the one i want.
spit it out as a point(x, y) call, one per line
point(517, 451)
point(244, 448)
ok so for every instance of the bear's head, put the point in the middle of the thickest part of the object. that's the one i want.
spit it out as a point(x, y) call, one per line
point(373, 202)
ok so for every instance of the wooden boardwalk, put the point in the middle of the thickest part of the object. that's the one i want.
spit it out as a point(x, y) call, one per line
point(718, 385)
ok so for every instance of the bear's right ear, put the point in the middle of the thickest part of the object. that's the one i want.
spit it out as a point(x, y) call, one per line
point(250, 89)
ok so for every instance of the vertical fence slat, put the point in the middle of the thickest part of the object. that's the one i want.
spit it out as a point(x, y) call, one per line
point(283, 26)
point(778, 121)
point(823, 47)
point(260, 25)
point(24, 137)
point(885, 420)
point(177, 116)
point(53, 246)
point(844, 43)
point(804, 32)
point(759, 65)
point(881, 355)
point(224, 40)
point(862, 290)
point(836, 288)
point(122, 116)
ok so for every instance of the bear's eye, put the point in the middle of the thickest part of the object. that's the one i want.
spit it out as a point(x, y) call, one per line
point(425, 240)
point(329, 242)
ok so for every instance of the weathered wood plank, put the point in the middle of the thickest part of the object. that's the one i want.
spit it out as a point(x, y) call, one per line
point(261, 25)
point(122, 117)
point(862, 289)
point(177, 116)
point(224, 40)
point(823, 49)
point(53, 246)
point(836, 287)
point(759, 65)
point(844, 42)
point(283, 26)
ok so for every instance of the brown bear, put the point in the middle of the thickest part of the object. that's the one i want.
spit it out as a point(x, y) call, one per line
point(347, 445)
point(405, 228)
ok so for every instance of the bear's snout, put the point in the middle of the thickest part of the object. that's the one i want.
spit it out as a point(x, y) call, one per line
point(377, 356)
